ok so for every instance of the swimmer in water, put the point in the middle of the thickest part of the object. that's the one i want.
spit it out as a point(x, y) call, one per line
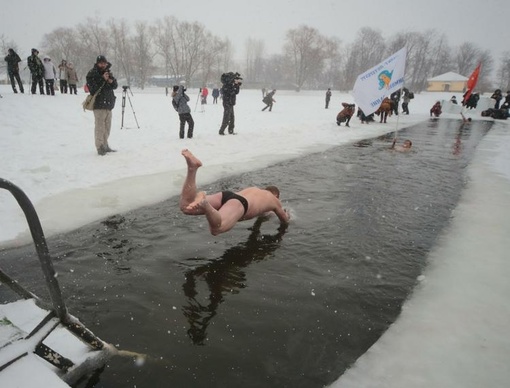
point(405, 147)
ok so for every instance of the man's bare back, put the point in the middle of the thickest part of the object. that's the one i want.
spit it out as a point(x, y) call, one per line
point(223, 212)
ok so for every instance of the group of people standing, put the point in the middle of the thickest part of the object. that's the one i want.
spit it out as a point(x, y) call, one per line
point(43, 73)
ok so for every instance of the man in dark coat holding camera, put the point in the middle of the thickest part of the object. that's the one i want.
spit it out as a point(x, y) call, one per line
point(100, 80)
point(230, 89)
point(37, 70)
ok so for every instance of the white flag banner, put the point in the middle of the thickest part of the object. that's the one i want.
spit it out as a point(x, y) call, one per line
point(375, 84)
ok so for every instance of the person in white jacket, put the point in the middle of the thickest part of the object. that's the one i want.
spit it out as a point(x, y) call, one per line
point(50, 75)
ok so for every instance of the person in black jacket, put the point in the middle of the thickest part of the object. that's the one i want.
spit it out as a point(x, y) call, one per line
point(13, 61)
point(100, 80)
point(37, 70)
point(229, 90)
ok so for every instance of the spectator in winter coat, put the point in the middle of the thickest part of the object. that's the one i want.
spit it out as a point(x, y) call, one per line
point(406, 99)
point(13, 61)
point(436, 109)
point(180, 104)
point(72, 78)
point(507, 99)
point(364, 118)
point(328, 97)
point(37, 71)
point(100, 80)
point(497, 96)
point(50, 74)
point(62, 76)
point(215, 95)
point(472, 103)
point(269, 100)
point(395, 98)
point(204, 93)
point(229, 91)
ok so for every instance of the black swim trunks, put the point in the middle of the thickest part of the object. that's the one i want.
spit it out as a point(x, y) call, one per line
point(228, 195)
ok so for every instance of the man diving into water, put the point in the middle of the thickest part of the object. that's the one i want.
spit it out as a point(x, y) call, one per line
point(224, 209)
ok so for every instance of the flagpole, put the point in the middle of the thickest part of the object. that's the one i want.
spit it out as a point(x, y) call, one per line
point(398, 114)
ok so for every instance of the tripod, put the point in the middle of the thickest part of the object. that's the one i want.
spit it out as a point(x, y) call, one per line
point(124, 94)
point(199, 98)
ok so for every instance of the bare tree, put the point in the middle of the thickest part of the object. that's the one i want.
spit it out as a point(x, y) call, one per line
point(6, 44)
point(484, 81)
point(143, 53)
point(254, 61)
point(466, 58)
point(122, 48)
point(306, 50)
point(503, 72)
point(210, 68)
point(441, 57)
point(367, 50)
point(60, 43)
point(164, 42)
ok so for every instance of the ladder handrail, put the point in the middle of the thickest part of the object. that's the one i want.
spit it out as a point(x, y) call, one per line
point(41, 247)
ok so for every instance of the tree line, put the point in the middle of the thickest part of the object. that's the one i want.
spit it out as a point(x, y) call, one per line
point(176, 50)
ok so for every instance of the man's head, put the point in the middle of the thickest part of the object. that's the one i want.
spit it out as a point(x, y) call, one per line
point(35, 51)
point(407, 144)
point(274, 190)
point(101, 62)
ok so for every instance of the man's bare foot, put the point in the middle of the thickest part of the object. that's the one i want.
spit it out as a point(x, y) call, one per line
point(198, 203)
point(191, 159)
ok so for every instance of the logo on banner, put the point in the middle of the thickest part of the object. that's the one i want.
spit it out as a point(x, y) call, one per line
point(384, 78)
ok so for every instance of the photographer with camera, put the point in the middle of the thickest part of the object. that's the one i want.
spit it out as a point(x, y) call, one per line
point(101, 81)
point(180, 104)
point(231, 83)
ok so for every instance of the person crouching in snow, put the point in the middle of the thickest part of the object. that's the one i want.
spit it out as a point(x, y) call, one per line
point(436, 109)
point(180, 104)
point(269, 100)
point(345, 114)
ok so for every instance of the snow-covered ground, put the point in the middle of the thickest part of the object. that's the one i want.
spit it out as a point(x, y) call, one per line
point(453, 332)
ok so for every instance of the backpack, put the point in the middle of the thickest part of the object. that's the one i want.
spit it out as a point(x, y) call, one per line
point(411, 95)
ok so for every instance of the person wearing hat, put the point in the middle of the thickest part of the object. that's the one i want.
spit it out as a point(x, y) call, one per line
point(180, 104)
point(100, 80)
point(13, 61)
point(50, 75)
point(37, 70)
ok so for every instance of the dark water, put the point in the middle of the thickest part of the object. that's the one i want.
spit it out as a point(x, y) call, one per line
point(264, 306)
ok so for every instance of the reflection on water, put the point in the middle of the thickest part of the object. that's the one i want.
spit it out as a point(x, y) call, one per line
point(224, 276)
point(155, 281)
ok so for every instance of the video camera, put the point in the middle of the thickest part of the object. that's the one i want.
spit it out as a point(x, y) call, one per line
point(227, 78)
point(126, 87)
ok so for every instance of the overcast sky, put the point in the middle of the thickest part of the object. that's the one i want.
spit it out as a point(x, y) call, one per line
point(484, 23)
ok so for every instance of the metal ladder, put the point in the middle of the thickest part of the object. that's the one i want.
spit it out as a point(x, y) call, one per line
point(57, 306)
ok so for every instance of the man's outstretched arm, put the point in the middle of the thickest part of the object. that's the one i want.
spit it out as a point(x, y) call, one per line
point(282, 214)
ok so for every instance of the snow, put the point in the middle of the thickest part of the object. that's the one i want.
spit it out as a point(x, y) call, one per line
point(452, 332)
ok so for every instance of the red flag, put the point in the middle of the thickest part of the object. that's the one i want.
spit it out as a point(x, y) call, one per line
point(471, 83)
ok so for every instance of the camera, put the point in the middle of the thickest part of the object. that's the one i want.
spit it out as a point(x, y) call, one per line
point(231, 77)
point(125, 87)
